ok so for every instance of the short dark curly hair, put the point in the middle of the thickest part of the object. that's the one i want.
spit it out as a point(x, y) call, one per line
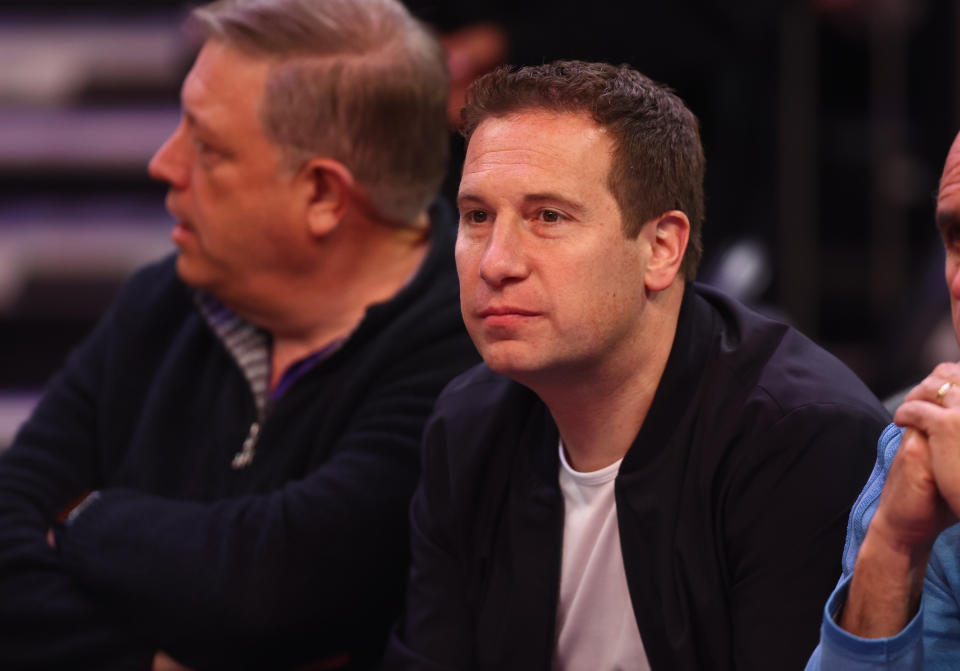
point(658, 163)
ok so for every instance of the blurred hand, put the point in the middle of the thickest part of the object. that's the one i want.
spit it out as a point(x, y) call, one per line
point(471, 51)
point(164, 662)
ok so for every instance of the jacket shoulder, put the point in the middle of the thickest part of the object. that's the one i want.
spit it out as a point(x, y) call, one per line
point(775, 364)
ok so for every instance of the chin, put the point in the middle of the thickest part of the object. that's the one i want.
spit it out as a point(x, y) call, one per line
point(512, 359)
point(192, 273)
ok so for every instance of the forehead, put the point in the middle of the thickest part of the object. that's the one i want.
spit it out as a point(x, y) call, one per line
point(538, 146)
point(224, 80)
point(948, 197)
point(949, 194)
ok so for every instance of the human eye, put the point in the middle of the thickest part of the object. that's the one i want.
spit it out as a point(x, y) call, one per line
point(475, 216)
point(950, 234)
point(549, 216)
point(203, 147)
point(207, 148)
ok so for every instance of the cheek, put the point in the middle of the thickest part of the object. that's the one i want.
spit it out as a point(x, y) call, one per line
point(951, 269)
point(614, 275)
point(465, 256)
point(207, 195)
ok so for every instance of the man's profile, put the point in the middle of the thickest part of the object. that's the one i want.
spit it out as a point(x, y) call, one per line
point(248, 412)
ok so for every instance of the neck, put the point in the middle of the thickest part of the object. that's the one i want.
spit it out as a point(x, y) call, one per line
point(600, 415)
point(363, 263)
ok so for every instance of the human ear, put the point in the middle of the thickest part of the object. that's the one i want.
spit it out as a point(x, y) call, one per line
point(328, 185)
point(668, 235)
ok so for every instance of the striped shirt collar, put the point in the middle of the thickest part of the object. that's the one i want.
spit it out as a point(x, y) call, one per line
point(249, 346)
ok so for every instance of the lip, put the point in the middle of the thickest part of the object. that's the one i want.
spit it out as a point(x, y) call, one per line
point(506, 311)
point(505, 319)
point(182, 231)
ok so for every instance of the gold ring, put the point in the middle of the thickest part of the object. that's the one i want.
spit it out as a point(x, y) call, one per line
point(942, 391)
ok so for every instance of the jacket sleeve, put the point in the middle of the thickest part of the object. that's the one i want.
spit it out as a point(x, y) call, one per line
point(785, 516)
point(47, 619)
point(314, 560)
point(437, 629)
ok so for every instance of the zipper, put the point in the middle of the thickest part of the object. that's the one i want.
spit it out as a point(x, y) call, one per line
point(243, 458)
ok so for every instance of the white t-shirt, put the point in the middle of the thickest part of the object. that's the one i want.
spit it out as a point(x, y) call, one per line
point(596, 627)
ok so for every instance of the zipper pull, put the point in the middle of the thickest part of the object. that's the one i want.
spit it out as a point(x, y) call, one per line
point(243, 458)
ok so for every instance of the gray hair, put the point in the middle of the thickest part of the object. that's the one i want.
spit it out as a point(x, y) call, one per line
point(359, 81)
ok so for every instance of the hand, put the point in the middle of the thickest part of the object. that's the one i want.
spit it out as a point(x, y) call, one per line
point(912, 512)
point(892, 562)
point(939, 419)
point(471, 51)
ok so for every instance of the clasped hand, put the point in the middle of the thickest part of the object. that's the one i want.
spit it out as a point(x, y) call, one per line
point(922, 493)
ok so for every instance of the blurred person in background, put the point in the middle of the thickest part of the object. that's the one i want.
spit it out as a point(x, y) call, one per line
point(232, 449)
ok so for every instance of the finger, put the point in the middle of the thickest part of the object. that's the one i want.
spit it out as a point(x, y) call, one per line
point(935, 389)
point(948, 371)
point(913, 455)
point(922, 415)
point(925, 390)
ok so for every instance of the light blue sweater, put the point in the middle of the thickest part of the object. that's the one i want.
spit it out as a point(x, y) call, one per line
point(931, 640)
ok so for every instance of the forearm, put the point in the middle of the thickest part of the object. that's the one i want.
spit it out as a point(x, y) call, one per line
point(839, 650)
point(47, 620)
point(249, 568)
point(886, 587)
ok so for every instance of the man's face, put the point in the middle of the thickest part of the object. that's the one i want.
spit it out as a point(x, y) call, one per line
point(948, 221)
point(549, 285)
point(233, 203)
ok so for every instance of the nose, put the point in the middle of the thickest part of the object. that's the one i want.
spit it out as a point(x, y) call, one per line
point(504, 258)
point(171, 162)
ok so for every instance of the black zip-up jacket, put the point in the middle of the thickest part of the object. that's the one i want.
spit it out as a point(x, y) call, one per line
point(731, 503)
point(301, 554)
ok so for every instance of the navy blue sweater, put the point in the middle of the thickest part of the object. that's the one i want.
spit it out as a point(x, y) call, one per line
point(301, 554)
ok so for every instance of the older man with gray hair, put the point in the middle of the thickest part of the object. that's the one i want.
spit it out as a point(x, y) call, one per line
point(221, 470)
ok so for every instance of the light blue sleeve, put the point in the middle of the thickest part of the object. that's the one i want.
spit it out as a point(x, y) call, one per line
point(840, 650)
point(931, 640)
point(941, 622)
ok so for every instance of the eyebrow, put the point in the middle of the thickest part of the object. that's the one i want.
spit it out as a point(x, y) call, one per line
point(574, 207)
point(199, 124)
point(468, 196)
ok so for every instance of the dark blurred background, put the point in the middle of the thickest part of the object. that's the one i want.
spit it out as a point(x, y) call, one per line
point(825, 124)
